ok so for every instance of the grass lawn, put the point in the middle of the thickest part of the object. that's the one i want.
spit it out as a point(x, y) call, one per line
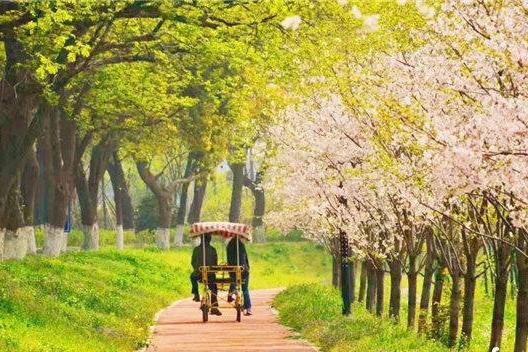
point(105, 300)
point(315, 312)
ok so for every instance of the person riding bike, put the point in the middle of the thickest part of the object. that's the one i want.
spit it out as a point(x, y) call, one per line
point(211, 259)
point(244, 263)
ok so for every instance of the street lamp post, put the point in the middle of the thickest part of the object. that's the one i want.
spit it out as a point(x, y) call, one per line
point(345, 274)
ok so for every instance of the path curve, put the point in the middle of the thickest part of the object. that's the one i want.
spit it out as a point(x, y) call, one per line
point(180, 328)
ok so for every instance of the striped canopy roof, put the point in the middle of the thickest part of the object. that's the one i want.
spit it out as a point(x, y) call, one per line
point(225, 229)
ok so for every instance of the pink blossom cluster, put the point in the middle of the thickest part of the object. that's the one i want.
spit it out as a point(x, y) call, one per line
point(322, 173)
point(457, 127)
point(469, 85)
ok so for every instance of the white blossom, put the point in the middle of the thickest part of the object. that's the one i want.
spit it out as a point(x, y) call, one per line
point(356, 12)
point(291, 22)
point(371, 23)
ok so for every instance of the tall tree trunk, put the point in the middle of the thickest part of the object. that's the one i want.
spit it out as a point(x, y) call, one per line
point(380, 286)
point(182, 209)
point(255, 182)
point(120, 187)
point(260, 206)
point(163, 231)
point(470, 283)
point(88, 188)
point(412, 276)
point(15, 238)
point(120, 237)
point(200, 188)
point(236, 193)
point(502, 266)
point(164, 199)
point(2, 238)
point(29, 191)
point(15, 243)
point(436, 303)
point(118, 202)
point(362, 281)
point(521, 326)
point(426, 295)
point(471, 246)
point(123, 204)
point(371, 287)
point(258, 214)
point(352, 280)
point(180, 216)
point(499, 302)
point(345, 273)
point(88, 206)
point(427, 282)
point(395, 290)
point(41, 198)
point(58, 146)
point(454, 309)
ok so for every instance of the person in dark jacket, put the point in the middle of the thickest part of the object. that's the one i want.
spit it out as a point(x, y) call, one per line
point(211, 259)
point(244, 262)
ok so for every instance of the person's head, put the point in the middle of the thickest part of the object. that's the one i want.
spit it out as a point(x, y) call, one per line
point(233, 241)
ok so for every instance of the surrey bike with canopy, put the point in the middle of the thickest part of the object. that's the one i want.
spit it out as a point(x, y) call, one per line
point(224, 276)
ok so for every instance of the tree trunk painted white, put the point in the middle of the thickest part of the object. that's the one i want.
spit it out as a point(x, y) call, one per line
point(15, 243)
point(163, 238)
point(259, 234)
point(64, 242)
point(31, 241)
point(53, 240)
point(91, 237)
point(120, 237)
point(2, 235)
point(178, 239)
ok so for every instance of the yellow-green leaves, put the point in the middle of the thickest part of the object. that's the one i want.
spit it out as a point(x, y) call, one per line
point(46, 67)
point(80, 49)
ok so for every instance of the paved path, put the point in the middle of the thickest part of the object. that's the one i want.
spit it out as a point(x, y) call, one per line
point(180, 328)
